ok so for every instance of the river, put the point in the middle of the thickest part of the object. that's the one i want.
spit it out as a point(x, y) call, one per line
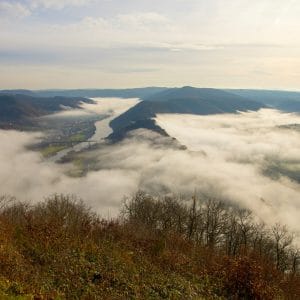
point(109, 109)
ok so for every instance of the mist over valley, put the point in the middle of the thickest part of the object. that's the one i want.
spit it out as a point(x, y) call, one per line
point(179, 141)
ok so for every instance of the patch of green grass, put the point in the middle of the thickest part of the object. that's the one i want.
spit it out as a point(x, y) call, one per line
point(78, 137)
point(79, 168)
point(52, 150)
point(12, 291)
point(292, 166)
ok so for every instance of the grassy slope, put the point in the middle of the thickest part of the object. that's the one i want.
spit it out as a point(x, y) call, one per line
point(60, 250)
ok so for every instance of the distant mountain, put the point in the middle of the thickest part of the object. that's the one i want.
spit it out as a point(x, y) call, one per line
point(282, 100)
point(186, 100)
point(12, 110)
point(18, 110)
point(17, 92)
point(90, 93)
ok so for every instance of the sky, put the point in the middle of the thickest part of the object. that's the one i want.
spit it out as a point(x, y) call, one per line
point(135, 43)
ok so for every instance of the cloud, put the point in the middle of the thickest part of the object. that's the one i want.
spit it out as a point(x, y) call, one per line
point(142, 20)
point(18, 9)
point(24, 174)
point(13, 10)
point(102, 106)
point(138, 30)
point(201, 43)
point(238, 150)
point(207, 43)
point(57, 4)
point(227, 158)
point(120, 30)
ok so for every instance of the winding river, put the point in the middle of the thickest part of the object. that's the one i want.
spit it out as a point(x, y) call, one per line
point(108, 108)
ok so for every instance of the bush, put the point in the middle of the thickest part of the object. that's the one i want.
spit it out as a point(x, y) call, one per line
point(158, 249)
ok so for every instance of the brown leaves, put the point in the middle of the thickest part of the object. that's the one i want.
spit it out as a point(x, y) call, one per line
point(59, 248)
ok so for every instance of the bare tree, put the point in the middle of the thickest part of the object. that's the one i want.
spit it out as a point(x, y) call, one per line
point(214, 222)
point(282, 239)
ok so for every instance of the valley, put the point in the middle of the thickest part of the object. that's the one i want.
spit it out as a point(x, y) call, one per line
point(198, 146)
point(149, 150)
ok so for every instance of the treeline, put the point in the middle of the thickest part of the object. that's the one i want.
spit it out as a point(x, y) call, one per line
point(159, 248)
point(216, 225)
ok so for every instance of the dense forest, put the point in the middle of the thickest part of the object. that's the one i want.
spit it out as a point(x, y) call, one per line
point(158, 248)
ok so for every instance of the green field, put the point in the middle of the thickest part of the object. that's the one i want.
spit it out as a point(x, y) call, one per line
point(52, 150)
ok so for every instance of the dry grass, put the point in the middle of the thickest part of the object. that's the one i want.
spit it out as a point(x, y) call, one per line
point(59, 249)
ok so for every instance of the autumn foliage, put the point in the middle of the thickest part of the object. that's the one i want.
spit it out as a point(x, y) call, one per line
point(157, 249)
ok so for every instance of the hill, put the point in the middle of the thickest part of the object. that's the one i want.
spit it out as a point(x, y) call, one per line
point(19, 109)
point(17, 92)
point(283, 100)
point(91, 93)
point(186, 100)
point(15, 112)
point(157, 249)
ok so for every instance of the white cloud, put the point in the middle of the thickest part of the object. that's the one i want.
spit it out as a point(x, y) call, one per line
point(57, 4)
point(25, 175)
point(232, 43)
point(13, 10)
point(18, 9)
point(142, 20)
point(144, 30)
point(238, 150)
point(226, 157)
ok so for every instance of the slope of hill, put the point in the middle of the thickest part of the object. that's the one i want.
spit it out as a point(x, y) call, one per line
point(159, 249)
point(16, 110)
point(186, 100)
point(90, 93)
point(282, 100)
point(17, 92)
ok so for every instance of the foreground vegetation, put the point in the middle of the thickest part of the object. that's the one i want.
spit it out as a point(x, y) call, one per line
point(157, 249)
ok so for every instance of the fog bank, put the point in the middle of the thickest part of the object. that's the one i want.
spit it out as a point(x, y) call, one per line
point(226, 158)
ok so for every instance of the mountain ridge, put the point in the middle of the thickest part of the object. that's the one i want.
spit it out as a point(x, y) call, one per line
point(186, 100)
point(90, 93)
point(19, 109)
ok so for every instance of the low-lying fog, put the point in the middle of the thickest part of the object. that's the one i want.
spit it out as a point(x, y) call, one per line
point(105, 108)
point(101, 106)
point(228, 156)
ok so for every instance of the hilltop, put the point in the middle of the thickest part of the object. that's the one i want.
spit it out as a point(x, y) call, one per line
point(283, 100)
point(186, 100)
point(157, 249)
point(19, 109)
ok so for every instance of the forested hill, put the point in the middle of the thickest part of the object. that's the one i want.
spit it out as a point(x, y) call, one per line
point(159, 248)
point(91, 93)
point(19, 109)
point(283, 100)
point(186, 100)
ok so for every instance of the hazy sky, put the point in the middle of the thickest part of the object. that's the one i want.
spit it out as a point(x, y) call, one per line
point(130, 43)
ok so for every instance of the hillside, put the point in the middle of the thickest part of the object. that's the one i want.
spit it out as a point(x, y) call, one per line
point(12, 109)
point(19, 109)
point(91, 93)
point(157, 249)
point(186, 100)
point(14, 112)
point(283, 100)
point(17, 92)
